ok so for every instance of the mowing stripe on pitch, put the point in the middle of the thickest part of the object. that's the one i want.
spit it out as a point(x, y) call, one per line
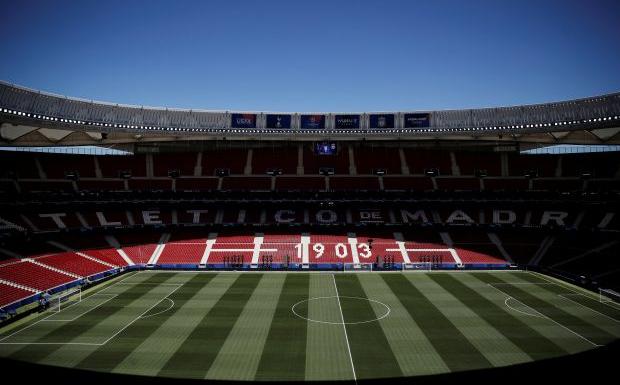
point(370, 349)
point(239, 357)
point(284, 353)
point(68, 331)
point(562, 289)
point(327, 356)
point(209, 336)
point(520, 334)
point(587, 332)
point(151, 354)
point(109, 356)
point(411, 347)
point(455, 349)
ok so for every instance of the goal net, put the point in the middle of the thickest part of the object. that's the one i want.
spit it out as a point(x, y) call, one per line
point(418, 266)
point(609, 296)
point(358, 267)
point(65, 299)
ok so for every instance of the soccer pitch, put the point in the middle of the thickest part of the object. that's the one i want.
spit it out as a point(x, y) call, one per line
point(314, 326)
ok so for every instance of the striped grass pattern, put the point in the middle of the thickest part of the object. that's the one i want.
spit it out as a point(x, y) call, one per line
point(314, 326)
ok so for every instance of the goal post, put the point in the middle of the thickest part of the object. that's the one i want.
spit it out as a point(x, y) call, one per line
point(418, 266)
point(609, 296)
point(357, 267)
point(65, 299)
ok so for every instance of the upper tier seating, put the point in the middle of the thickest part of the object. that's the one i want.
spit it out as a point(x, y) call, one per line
point(283, 158)
point(313, 162)
point(184, 162)
point(546, 165)
point(470, 161)
point(292, 183)
point(233, 159)
point(55, 165)
point(418, 183)
point(196, 184)
point(601, 165)
point(241, 183)
point(18, 165)
point(111, 165)
point(351, 183)
point(370, 158)
point(420, 159)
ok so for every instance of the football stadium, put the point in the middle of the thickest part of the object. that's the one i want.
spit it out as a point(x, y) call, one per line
point(429, 245)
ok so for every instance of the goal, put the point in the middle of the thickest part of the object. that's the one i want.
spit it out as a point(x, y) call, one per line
point(609, 296)
point(358, 267)
point(418, 266)
point(65, 299)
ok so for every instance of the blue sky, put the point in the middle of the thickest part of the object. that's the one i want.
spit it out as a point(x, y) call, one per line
point(313, 55)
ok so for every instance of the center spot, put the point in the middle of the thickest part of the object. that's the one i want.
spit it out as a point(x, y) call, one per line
point(327, 310)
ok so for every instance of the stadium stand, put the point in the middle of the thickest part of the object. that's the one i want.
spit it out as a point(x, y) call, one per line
point(312, 202)
point(283, 158)
point(10, 294)
point(31, 275)
point(73, 263)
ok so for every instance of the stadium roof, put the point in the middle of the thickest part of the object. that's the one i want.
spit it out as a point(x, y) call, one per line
point(35, 118)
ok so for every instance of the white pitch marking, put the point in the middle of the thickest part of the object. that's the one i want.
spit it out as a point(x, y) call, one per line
point(141, 315)
point(566, 296)
point(344, 327)
point(546, 317)
point(43, 319)
point(107, 340)
point(387, 313)
point(521, 311)
point(163, 311)
point(566, 287)
point(87, 311)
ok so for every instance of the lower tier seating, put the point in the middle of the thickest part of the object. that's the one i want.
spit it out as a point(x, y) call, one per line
point(34, 276)
point(10, 294)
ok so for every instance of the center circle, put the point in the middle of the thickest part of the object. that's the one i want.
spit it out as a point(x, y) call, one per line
point(334, 310)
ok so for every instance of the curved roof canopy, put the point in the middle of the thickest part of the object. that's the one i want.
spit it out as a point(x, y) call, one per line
point(30, 117)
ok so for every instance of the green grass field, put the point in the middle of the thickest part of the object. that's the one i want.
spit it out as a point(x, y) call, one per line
point(314, 326)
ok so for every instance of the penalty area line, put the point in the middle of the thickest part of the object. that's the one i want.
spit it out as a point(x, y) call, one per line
point(141, 315)
point(544, 316)
point(567, 297)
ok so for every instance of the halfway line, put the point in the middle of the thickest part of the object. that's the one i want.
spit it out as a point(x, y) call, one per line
point(344, 327)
